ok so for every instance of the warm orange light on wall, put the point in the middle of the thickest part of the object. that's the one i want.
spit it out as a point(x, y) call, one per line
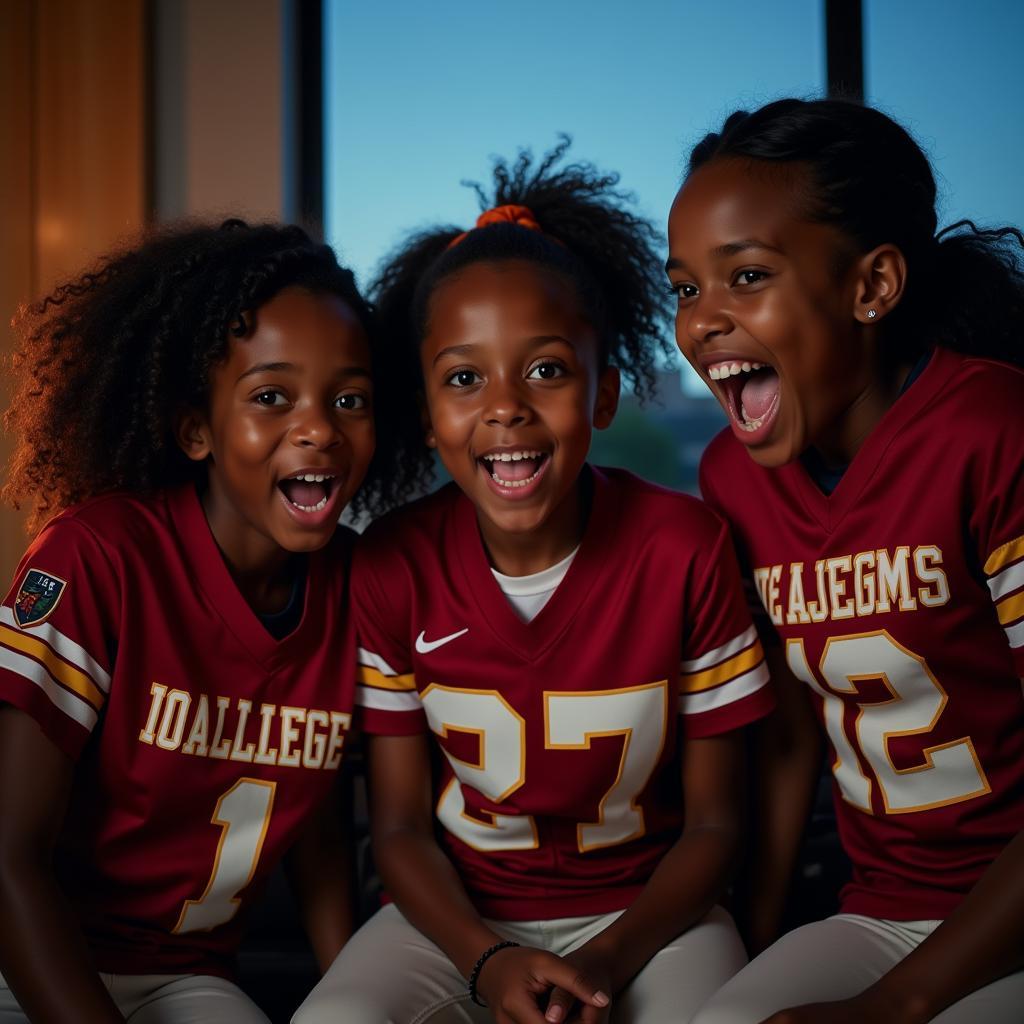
point(73, 174)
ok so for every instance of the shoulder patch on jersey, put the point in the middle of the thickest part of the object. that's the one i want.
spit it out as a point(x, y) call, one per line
point(37, 597)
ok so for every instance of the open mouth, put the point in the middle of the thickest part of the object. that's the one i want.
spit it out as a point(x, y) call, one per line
point(750, 390)
point(512, 470)
point(309, 492)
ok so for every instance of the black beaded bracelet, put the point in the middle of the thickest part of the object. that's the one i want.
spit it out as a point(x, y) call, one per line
point(474, 975)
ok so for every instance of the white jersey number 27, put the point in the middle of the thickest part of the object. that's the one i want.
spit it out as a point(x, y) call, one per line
point(571, 720)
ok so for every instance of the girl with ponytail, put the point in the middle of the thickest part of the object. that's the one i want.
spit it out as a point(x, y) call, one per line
point(870, 366)
point(568, 646)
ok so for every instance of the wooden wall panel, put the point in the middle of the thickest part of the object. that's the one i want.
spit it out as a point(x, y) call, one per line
point(90, 84)
point(73, 161)
point(17, 248)
point(16, 121)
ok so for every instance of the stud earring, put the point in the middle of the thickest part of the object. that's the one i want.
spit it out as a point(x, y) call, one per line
point(872, 314)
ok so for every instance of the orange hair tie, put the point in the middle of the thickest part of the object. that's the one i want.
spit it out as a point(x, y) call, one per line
point(508, 214)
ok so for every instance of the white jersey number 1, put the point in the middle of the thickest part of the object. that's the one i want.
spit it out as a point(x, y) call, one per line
point(243, 813)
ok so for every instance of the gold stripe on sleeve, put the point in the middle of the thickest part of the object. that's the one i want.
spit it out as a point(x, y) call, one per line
point(371, 677)
point(1009, 552)
point(1010, 608)
point(695, 682)
point(74, 679)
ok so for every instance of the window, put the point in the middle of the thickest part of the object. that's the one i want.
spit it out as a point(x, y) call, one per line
point(418, 96)
point(954, 77)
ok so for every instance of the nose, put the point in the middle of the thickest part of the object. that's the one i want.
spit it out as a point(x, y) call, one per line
point(505, 404)
point(315, 427)
point(706, 319)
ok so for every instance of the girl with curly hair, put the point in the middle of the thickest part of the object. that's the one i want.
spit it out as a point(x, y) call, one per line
point(175, 689)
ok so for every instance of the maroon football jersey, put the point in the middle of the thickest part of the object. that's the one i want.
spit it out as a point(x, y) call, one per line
point(899, 600)
point(559, 790)
point(202, 743)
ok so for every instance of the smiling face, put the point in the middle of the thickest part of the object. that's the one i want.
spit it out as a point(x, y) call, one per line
point(288, 433)
point(771, 313)
point(514, 387)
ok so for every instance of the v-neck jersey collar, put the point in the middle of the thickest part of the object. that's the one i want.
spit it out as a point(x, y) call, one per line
point(530, 640)
point(212, 576)
point(830, 509)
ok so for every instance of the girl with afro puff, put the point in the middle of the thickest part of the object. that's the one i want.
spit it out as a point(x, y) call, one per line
point(569, 644)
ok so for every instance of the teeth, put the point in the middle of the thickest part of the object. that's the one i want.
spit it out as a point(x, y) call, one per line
point(511, 456)
point(313, 478)
point(752, 425)
point(312, 508)
point(749, 424)
point(510, 484)
point(721, 371)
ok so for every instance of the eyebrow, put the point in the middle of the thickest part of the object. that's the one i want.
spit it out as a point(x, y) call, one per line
point(347, 371)
point(732, 248)
point(535, 342)
point(452, 350)
point(720, 251)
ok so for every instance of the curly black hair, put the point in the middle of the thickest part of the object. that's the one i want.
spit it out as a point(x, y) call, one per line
point(867, 177)
point(608, 253)
point(107, 361)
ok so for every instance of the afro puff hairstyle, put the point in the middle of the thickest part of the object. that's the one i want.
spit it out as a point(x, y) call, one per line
point(608, 253)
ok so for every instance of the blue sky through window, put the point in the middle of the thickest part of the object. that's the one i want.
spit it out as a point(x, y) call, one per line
point(419, 96)
point(953, 74)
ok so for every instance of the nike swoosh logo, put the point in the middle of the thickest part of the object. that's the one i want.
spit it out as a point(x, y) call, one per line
point(425, 646)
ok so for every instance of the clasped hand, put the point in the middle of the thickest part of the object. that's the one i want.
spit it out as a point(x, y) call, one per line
point(524, 985)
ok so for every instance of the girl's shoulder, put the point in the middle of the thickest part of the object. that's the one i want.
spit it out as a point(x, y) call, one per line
point(650, 506)
point(986, 390)
point(116, 522)
point(652, 522)
point(974, 417)
point(404, 548)
point(422, 521)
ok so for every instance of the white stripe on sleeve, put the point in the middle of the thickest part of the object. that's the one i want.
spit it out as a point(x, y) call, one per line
point(387, 700)
point(62, 645)
point(64, 700)
point(1015, 634)
point(371, 660)
point(734, 646)
point(734, 690)
point(1009, 579)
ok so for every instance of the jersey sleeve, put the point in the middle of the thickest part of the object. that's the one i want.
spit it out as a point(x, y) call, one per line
point(387, 700)
point(723, 678)
point(58, 632)
point(998, 525)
